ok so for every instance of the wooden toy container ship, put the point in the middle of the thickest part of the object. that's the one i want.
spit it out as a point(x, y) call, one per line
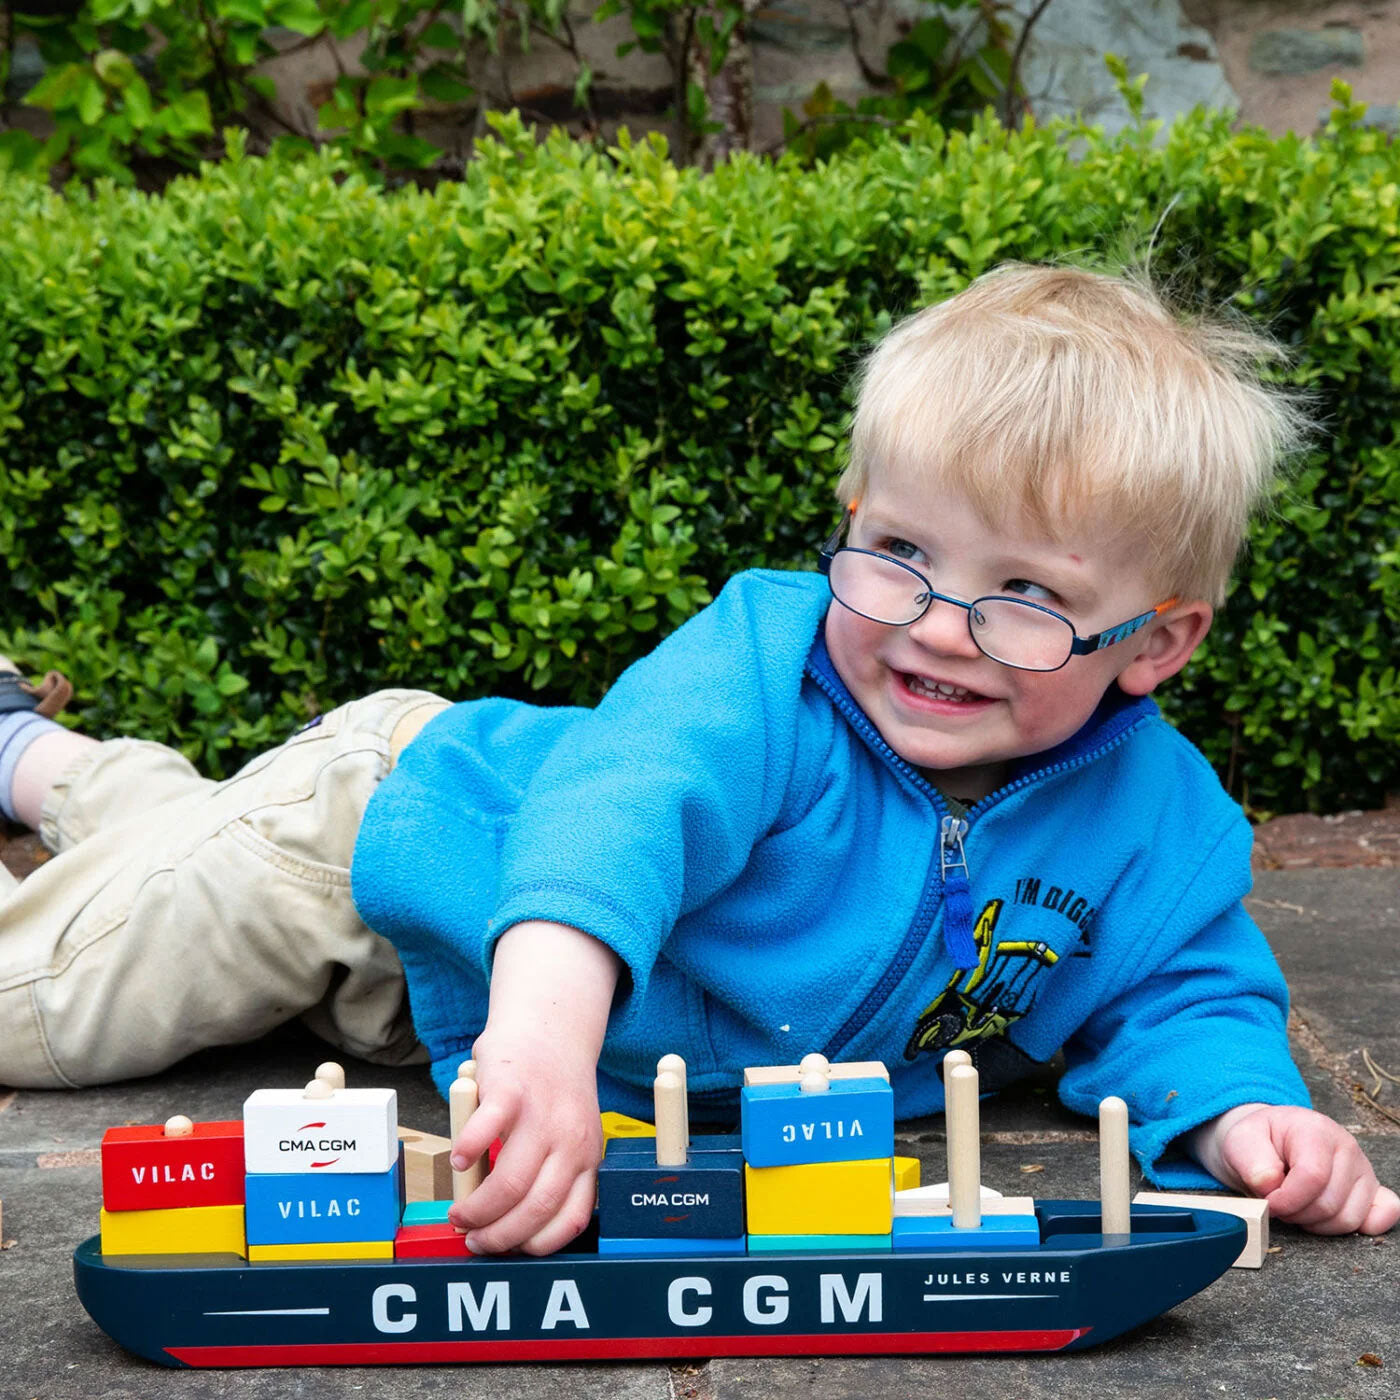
point(1052, 1275)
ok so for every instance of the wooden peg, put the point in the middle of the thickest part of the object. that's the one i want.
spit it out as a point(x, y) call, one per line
point(674, 1064)
point(178, 1126)
point(814, 1082)
point(1114, 1195)
point(467, 1069)
point(951, 1061)
point(964, 1147)
point(815, 1063)
point(332, 1073)
point(319, 1089)
point(669, 1095)
point(462, 1097)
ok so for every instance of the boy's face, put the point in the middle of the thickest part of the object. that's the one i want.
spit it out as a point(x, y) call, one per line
point(938, 702)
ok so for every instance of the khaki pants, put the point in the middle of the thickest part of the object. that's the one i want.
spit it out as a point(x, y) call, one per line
point(179, 913)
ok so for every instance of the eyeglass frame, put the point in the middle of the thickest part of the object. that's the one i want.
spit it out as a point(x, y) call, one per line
point(1079, 646)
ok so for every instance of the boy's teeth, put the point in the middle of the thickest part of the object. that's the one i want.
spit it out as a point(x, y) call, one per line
point(941, 689)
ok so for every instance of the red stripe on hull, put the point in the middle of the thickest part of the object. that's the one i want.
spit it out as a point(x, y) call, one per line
point(625, 1348)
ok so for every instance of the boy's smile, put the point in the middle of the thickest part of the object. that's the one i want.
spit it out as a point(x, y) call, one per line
point(937, 700)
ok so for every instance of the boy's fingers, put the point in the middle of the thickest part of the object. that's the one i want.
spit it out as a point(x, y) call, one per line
point(1250, 1152)
point(1340, 1208)
point(489, 1122)
point(1384, 1213)
point(509, 1182)
point(1309, 1162)
point(544, 1200)
point(571, 1220)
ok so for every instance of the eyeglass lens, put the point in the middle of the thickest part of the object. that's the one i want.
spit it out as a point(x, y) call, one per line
point(1009, 631)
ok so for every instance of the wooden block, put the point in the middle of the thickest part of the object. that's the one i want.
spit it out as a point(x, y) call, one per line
point(768, 1244)
point(646, 1147)
point(702, 1198)
point(820, 1198)
point(427, 1172)
point(940, 1189)
point(674, 1064)
point(669, 1245)
point(906, 1173)
point(332, 1073)
point(189, 1230)
point(430, 1241)
point(619, 1125)
point(339, 1249)
point(463, 1096)
point(960, 1116)
point(298, 1208)
point(346, 1130)
point(782, 1125)
point(791, 1074)
point(1253, 1210)
point(427, 1212)
point(929, 1207)
point(144, 1169)
point(938, 1232)
point(672, 1118)
point(1113, 1167)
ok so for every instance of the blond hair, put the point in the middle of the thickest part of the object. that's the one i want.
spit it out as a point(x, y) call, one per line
point(1070, 396)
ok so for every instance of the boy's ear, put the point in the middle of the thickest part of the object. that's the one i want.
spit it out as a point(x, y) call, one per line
point(1166, 646)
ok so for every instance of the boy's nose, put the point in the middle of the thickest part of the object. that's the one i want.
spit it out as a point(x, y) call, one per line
point(943, 629)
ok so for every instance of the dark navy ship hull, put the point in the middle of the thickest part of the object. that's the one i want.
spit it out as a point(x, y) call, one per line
point(1076, 1290)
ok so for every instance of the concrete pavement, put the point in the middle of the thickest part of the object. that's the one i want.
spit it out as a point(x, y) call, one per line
point(1296, 1330)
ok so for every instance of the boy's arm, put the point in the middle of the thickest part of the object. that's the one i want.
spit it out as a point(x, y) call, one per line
point(655, 800)
point(1195, 1039)
point(536, 1065)
point(1311, 1170)
point(1192, 1027)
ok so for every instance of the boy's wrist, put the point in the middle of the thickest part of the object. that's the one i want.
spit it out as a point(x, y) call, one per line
point(1206, 1143)
point(553, 980)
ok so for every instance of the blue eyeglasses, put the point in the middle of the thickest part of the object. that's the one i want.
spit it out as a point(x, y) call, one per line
point(1014, 631)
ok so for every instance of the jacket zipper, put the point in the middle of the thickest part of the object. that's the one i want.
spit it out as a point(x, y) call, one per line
point(952, 881)
point(957, 893)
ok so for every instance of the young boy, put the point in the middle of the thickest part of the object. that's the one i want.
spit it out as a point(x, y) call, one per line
point(920, 802)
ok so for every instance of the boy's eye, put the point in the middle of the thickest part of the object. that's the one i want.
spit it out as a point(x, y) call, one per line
point(1025, 588)
point(900, 549)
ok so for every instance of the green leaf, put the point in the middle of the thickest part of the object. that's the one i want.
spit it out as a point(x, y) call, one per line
point(136, 102)
point(114, 68)
point(351, 17)
point(300, 16)
point(187, 116)
point(405, 152)
point(249, 12)
point(92, 100)
point(442, 86)
point(58, 88)
point(440, 35)
point(386, 96)
point(21, 151)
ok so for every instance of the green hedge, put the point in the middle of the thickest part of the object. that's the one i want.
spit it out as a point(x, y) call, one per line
point(276, 437)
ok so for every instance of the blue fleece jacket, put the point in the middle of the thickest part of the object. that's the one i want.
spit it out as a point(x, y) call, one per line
point(777, 880)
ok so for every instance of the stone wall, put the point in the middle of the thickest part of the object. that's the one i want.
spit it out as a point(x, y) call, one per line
point(1271, 60)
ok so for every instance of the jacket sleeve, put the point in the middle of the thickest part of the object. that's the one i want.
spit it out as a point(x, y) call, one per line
point(657, 798)
point(1199, 1027)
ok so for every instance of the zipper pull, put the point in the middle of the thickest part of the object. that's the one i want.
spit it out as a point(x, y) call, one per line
point(957, 894)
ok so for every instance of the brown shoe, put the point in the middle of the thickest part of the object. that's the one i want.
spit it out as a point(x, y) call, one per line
point(46, 698)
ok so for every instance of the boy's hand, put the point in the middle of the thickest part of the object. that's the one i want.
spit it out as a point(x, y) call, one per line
point(1311, 1170)
point(543, 1105)
point(536, 1069)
